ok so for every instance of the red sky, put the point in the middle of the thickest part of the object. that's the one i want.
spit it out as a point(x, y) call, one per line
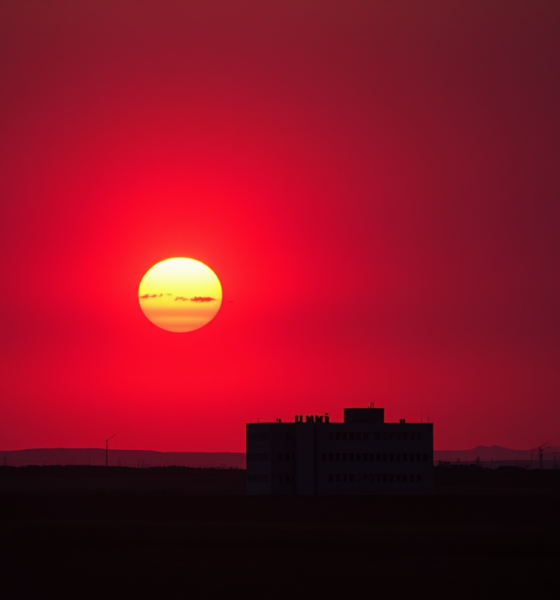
point(376, 184)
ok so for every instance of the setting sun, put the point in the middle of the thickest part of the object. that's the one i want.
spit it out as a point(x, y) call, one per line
point(180, 294)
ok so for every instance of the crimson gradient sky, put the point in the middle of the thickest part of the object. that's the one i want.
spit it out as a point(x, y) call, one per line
point(376, 184)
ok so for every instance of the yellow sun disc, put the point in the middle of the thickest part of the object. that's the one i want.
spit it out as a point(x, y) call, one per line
point(180, 294)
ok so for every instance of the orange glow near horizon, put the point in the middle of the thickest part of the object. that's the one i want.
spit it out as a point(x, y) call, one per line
point(180, 294)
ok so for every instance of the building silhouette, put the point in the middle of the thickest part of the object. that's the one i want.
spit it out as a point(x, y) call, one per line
point(362, 455)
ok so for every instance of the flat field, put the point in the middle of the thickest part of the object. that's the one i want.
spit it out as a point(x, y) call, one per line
point(192, 533)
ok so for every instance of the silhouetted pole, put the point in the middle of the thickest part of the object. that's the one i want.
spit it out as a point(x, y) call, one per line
point(107, 449)
point(541, 453)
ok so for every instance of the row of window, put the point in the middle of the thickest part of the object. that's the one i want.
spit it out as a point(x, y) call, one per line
point(258, 457)
point(286, 457)
point(347, 478)
point(261, 436)
point(265, 437)
point(346, 457)
point(258, 478)
point(379, 478)
point(351, 436)
point(358, 436)
point(374, 457)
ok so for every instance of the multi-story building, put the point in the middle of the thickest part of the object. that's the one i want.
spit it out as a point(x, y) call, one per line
point(362, 455)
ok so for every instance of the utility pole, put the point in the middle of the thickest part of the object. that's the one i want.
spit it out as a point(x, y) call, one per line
point(541, 452)
point(107, 449)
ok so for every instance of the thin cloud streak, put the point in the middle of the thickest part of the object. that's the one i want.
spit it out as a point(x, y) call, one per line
point(203, 299)
point(182, 298)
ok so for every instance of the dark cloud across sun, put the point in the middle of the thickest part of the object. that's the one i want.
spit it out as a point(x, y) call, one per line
point(182, 298)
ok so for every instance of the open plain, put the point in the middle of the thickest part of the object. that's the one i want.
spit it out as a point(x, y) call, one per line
point(176, 532)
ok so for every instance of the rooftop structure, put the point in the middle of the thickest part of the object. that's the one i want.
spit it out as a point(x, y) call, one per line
point(362, 455)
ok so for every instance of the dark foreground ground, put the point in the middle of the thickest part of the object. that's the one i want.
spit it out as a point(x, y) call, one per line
point(191, 533)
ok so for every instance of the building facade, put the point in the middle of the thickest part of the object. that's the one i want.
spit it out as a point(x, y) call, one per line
point(362, 455)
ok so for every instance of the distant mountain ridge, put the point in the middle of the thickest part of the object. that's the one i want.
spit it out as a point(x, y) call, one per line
point(227, 460)
point(495, 453)
point(123, 458)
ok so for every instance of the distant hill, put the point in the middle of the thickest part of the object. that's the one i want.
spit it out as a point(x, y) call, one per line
point(123, 458)
point(494, 453)
point(236, 460)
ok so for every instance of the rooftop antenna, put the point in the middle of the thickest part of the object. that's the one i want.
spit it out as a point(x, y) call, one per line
point(107, 449)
